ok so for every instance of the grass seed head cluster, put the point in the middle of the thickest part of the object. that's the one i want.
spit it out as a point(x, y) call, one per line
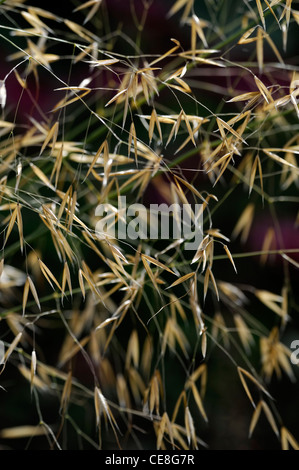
point(122, 339)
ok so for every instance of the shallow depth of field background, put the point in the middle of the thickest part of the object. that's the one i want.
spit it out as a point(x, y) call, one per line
point(226, 403)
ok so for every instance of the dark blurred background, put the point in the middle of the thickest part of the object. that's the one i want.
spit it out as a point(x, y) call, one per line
point(226, 403)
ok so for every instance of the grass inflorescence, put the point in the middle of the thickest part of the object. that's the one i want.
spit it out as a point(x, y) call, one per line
point(123, 339)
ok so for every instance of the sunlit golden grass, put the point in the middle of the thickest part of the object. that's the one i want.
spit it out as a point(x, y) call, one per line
point(128, 330)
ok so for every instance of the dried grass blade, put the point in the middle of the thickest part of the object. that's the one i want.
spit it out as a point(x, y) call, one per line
point(96, 4)
point(122, 391)
point(198, 401)
point(263, 90)
point(245, 39)
point(51, 135)
point(102, 149)
point(259, 49)
point(157, 263)
point(20, 227)
point(177, 334)
point(204, 344)
point(222, 170)
point(32, 368)
point(25, 294)
point(11, 224)
point(261, 12)
point(191, 187)
point(198, 26)
point(48, 274)
point(242, 371)
point(277, 158)
point(296, 16)
point(290, 260)
point(152, 125)
point(244, 96)
point(71, 211)
point(107, 322)
point(132, 350)
point(66, 393)
point(287, 438)
point(287, 11)
point(12, 347)
point(206, 283)
point(118, 254)
point(102, 63)
point(200, 371)
point(269, 299)
point(183, 86)
point(57, 165)
point(137, 386)
point(82, 32)
point(71, 352)
point(294, 101)
point(182, 398)
point(18, 175)
point(272, 11)
point(66, 278)
point(3, 182)
point(174, 129)
point(19, 432)
point(41, 175)
point(81, 283)
point(244, 223)
point(189, 427)
point(255, 417)
point(120, 93)
point(169, 428)
point(1, 266)
point(34, 21)
point(189, 129)
point(222, 160)
point(3, 94)
point(154, 397)
point(178, 5)
point(224, 124)
point(97, 405)
point(133, 137)
point(214, 282)
point(181, 279)
point(165, 55)
point(64, 102)
point(193, 35)
point(87, 4)
point(244, 332)
point(252, 174)
point(157, 122)
point(274, 48)
point(146, 357)
point(201, 60)
point(260, 174)
point(243, 381)
point(161, 430)
point(65, 198)
point(150, 274)
point(270, 417)
point(187, 140)
point(93, 246)
point(34, 292)
point(209, 275)
point(230, 257)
